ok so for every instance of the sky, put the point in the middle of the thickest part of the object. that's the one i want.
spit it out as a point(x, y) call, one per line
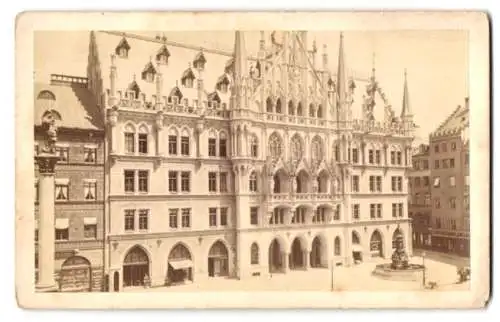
point(436, 62)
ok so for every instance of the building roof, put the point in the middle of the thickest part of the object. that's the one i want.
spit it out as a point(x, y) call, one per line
point(456, 123)
point(72, 100)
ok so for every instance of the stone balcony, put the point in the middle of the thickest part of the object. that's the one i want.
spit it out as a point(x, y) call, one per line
point(307, 197)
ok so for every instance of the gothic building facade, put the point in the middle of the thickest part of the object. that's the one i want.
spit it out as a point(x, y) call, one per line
point(239, 164)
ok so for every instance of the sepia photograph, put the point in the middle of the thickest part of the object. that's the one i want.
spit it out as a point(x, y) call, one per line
point(332, 160)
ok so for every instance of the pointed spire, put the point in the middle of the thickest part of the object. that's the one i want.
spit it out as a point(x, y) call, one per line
point(373, 65)
point(406, 111)
point(341, 75)
point(240, 57)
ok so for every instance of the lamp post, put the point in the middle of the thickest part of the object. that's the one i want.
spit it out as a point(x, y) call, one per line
point(423, 272)
point(331, 277)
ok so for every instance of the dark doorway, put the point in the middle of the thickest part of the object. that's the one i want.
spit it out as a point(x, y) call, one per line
point(297, 256)
point(180, 265)
point(116, 282)
point(218, 260)
point(135, 267)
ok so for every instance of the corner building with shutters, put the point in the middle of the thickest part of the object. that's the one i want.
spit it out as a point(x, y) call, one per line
point(239, 164)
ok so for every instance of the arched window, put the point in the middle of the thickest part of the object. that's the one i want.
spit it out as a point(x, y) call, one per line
point(320, 111)
point(253, 182)
point(317, 149)
point(129, 134)
point(296, 147)
point(312, 112)
point(254, 254)
point(254, 147)
point(337, 246)
point(143, 139)
point(299, 109)
point(278, 106)
point(275, 146)
point(336, 151)
point(46, 95)
point(291, 108)
point(269, 105)
point(355, 238)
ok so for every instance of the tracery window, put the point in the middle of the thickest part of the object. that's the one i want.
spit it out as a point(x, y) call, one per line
point(296, 148)
point(275, 146)
point(316, 149)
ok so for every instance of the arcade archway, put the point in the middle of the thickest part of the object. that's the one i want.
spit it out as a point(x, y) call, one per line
point(76, 275)
point(298, 254)
point(180, 265)
point(135, 267)
point(376, 244)
point(277, 260)
point(218, 260)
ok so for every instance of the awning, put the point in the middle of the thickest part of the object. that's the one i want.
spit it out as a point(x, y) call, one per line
point(357, 248)
point(90, 221)
point(90, 180)
point(62, 223)
point(186, 263)
point(62, 181)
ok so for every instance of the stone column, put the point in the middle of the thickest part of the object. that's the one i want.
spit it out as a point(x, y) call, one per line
point(200, 124)
point(159, 134)
point(112, 120)
point(285, 262)
point(306, 255)
point(46, 227)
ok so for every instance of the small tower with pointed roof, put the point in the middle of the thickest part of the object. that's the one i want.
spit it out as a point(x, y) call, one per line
point(406, 113)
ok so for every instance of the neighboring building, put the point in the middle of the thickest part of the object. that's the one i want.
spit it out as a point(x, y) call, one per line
point(79, 184)
point(217, 168)
point(419, 209)
point(449, 162)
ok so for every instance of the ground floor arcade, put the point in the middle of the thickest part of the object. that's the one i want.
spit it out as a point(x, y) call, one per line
point(181, 260)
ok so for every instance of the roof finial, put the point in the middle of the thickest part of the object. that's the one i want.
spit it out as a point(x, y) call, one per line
point(133, 77)
point(405, 74)
point(176, 83)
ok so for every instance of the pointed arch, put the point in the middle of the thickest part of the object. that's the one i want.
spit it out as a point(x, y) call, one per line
point(47, 95)
point(136, 266)
point(253, 182)
point(278, 106)
point(254, 254)
point(291, 108)
point(320, 111)
point(143, 128)
point(312, 110)
point(218, 259)
point(337, 246)
point(129, 127)
point(269, 105)
point(300, 112)
point(377, 244)
point(254, 146)
point(355, 238)
point(275, 146)
point(297, 147)
point(317, 149)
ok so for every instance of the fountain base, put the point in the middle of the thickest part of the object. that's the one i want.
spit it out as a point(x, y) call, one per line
point(412, 273)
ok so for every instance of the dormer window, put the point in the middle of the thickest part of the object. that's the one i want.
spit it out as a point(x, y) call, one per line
point(199, 61)
point(213, 100)
point(122, 49)
point(175, 96)
point(223, 84)
point(163, 55)
point(134, 90)
point(148, 74)
point(188, 77)
point(331, 84)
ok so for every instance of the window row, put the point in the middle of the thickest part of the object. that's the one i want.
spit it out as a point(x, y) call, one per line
point(452, 202)
point(217, 217)
point(444, 163)
point(89, 154)
point(173, 181)
point(422, 200)
point(446, 223)
point(185, 218)
point(62, 229)
point(397, 210)
point(443, 147)
point(293, 109)
point(136, 219)
point(420, 164)
point(136, 180)
point(437, 182)
point(375, 210)
point(417, 181)
point(61, 191)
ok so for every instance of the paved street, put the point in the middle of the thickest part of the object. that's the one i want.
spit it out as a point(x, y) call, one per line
point(357, 278)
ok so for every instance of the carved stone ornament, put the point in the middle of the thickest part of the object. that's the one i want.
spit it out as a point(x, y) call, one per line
point(46, 163)
point(113, 116)
point(159, 120)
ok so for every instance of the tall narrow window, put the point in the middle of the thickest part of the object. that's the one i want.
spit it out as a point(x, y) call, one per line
point(89, 190)
point(185, 181)
point(172, 218)
point(337, 153)
point(89, 155)
point(377, 157)
point(129, 220)
point(400, 183)
point(254, 147)
point(212, 182)
point(143, 219)
point(379, 210)
point(223, 216)
point(393, 159)
point(129, 142)
point(186, 217)
point(172, 181)
point(61, 192)
point(254, 254)
point(185, 145)
point(399, 158)
point(254, 215)
point(371, 157)
point(212, 217)
point(373, 211)
point(223, 181)
point(143, 143)
point(253, 182)
point(379, 183)
point(452, 163)
point(143, 181)
point(129, 178)
point(355, 156)
point(355, 183)
point(355, 211)
point(212, 143)
point(394, 210)
point(172, 144)
point(223, 147)
point(89, 229)
point(372, 183)
point(400, 210)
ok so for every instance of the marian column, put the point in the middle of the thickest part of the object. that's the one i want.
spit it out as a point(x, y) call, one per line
point(47, 160)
